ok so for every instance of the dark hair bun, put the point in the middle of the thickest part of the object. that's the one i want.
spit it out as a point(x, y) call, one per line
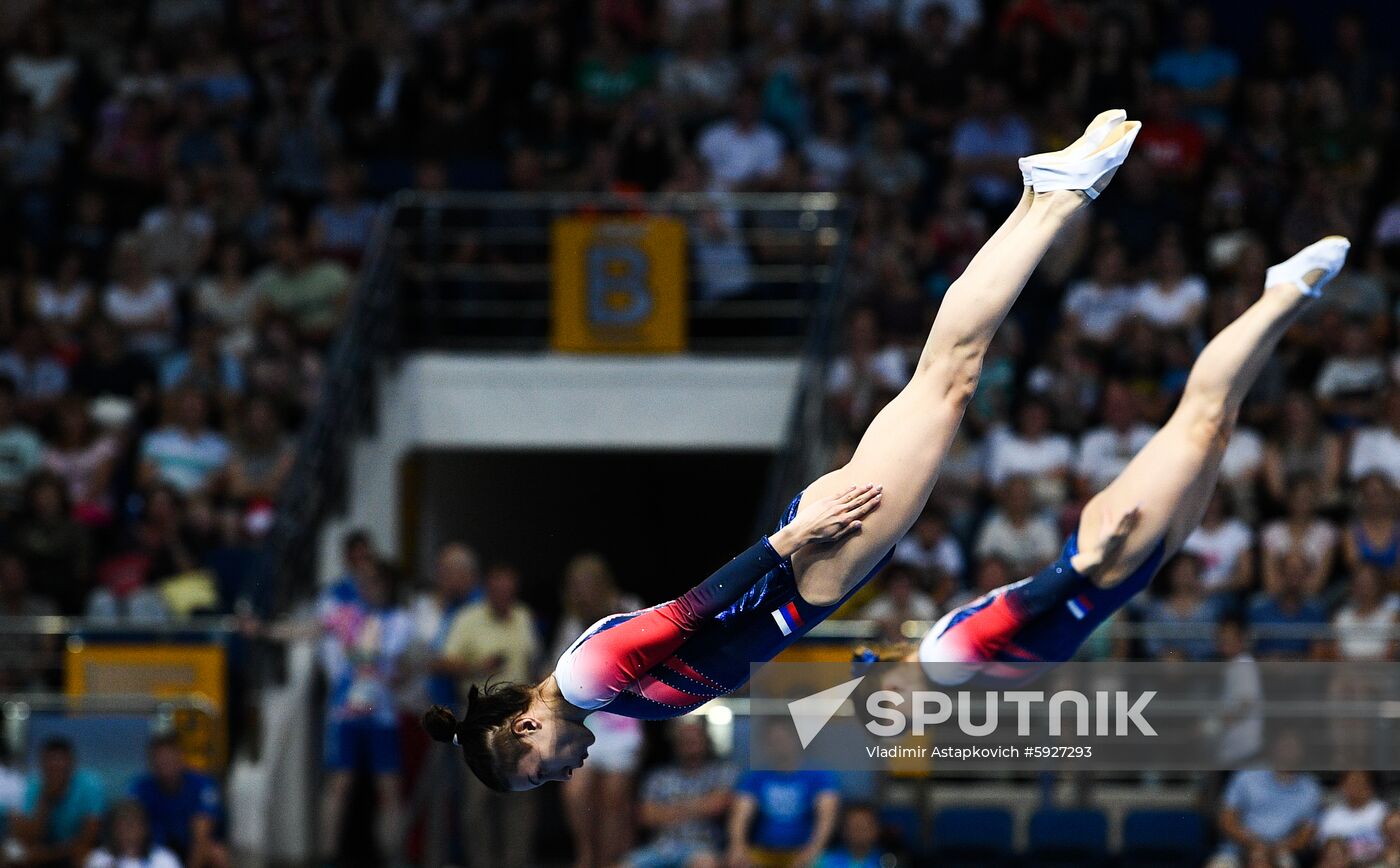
point(440, 723)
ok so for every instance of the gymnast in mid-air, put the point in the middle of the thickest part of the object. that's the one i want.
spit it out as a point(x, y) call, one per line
point(670, 659)
point(1142, 518)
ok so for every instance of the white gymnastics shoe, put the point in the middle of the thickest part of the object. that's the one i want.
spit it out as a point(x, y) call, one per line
point(1094, 134)
point(1087, 173)
point(1319, 261)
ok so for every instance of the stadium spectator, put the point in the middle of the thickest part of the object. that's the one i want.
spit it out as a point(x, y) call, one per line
point(1105, 450)
point(860, 841)
point(1373, 537)
point(1365, 622)
point(898, 600)
point(786, 815)
point(1355, 817)
point(1302, 529)
point(495, 639)
point(52, 544)
point(364, 635)
point(1015, 533)
point(867, 375)
point(1225, 546)
point(987, 142)
point(11, 789)
point(1036, 452)
point(683, 803)
point(740, 151)
point(61, 817)
point(129, 843)
point(21, 450)
point(142, 304)
point(38, 375)
point(1301, 448)
point(1350, 380)
point(934, 553)
point(1377, 449)
point(1390, 831)
point(1271, 810)
point(1096, 307)
point(1185, 605)
point(341, 227)
point(225, 299)
point(261, 457)
point(186, 453)
point(598, 797)
point(182, 807)
point(1282, 616)
point(456, 577)
point(1241, 738)
point(85, 458)
point(311, 292)
point(1205, 73)
point(888, 168)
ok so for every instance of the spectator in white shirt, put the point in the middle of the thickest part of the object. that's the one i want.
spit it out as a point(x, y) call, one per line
point(1377, 449)
point(1224, 544)
point(1095, 307)
point(1365, 624)
point(186, 454)
point(1172, 298)
point(900, 600)
point(1104, 451)
point(1356, 817)
point(1240, 470)
point(860, 382)
point(144, 306)
point(1351, 379)
point(1034, 451)
point(1015, 533)
point(741, 151)
point(1301, 530)
point(932, 551)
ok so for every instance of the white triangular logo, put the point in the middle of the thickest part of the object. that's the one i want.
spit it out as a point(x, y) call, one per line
point(811, 713)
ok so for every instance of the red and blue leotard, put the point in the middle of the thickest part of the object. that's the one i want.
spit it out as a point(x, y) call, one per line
point(670, 659)
point(1038, 620)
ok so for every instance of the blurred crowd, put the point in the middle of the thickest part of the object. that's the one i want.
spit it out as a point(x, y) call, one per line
point(187, 187)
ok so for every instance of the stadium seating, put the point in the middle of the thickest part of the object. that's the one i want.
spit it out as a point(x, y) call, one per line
point(1163, 839)
point(973, 838)
point(1068, 838)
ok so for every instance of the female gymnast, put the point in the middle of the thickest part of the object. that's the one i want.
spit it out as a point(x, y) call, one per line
point(1142, 518)
point(670, 659)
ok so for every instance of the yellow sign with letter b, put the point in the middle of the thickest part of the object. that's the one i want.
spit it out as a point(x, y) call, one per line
point(618, 285)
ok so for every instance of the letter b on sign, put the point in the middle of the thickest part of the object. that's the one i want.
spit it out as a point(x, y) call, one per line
point(618, 285)
point(618, 294)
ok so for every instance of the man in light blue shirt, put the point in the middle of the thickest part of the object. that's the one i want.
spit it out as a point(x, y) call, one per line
point(1271, 810)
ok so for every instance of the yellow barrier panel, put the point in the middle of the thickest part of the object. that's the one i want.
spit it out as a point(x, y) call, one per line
point(163, 672)
point(618, 285)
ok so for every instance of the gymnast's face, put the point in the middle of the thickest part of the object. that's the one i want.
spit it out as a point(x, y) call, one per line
point(554, 747)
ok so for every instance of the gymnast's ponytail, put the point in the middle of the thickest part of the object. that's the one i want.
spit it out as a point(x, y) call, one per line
point(488, 745)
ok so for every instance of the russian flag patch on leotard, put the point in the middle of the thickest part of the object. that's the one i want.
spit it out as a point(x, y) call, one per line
point(787, 618)
point(1080, 606)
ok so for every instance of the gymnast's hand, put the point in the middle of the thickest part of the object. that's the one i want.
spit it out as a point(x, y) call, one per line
point(1096, 556)
point(829, 520)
